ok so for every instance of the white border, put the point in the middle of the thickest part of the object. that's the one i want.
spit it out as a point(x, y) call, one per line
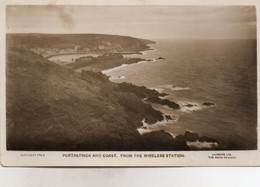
point(55, 158)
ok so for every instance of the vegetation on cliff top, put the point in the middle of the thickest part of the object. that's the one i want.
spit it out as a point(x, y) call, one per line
point(90, 41)
point(54, 108)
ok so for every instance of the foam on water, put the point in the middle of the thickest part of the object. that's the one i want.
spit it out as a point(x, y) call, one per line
point(124, 65)
point(187, 106)
point(190, 106)
point(163, 97)
point(160, 90)
point(147, 128)
point(112, 69)
point(117, 77)
point(202, 145)
point(176, 88)
point(222, 72)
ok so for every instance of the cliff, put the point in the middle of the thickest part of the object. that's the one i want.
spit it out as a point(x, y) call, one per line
point(50, 107)
point(53, 107)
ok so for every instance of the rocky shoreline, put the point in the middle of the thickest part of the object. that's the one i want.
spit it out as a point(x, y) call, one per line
point(52, 107)
point(153, 96)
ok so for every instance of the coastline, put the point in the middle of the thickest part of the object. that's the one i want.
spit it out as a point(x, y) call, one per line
point(138, 62)
point(79, 53)
point(101, 109)
point(148, 128)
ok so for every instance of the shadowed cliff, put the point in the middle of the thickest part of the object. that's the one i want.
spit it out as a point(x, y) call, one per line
point(54, 108)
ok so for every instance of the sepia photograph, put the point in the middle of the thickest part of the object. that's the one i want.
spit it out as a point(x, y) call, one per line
point(151, 78)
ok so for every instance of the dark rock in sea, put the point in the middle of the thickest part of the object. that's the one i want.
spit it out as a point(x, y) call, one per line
point(161, 58)
point(189, 105)
point(161, 140)
point(139, 91)
point(163, 94)
point(208, 104)
point(188, 136)
point(171, 104)
point(131, 60)
point(192, 137)
point(207, 139)
point(168, 117)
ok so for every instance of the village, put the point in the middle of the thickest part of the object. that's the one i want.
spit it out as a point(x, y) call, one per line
point(77, 49)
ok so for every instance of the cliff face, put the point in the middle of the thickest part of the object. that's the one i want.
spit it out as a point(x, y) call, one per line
point(54, 108)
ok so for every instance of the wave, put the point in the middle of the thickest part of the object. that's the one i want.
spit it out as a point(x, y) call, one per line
point(187, 106)
point(171, 87)
point(160, 90)
point(147, 128)
point(124, 65)
point(144, 61)
point(163, 97)
point(151, 60)
point(117, 77)
point(202, 145)
point(112, 69)
point(132, 55)
point(177, 88)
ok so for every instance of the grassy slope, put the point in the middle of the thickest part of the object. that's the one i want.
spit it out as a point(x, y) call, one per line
point(50, 107)
point(53, 108)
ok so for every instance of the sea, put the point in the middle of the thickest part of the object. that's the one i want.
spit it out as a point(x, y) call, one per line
point(192, 72)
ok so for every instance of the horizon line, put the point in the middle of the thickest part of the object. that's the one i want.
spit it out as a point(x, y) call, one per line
point(173, 38)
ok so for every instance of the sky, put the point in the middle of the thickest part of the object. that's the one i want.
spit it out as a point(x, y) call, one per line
point(150, 22)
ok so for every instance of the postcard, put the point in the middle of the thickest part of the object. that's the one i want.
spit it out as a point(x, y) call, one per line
point(129, 84)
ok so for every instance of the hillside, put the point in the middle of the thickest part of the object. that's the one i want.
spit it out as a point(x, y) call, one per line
point(53, 107)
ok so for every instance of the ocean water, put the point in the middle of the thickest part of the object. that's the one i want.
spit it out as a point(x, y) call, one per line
point(223, 72)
